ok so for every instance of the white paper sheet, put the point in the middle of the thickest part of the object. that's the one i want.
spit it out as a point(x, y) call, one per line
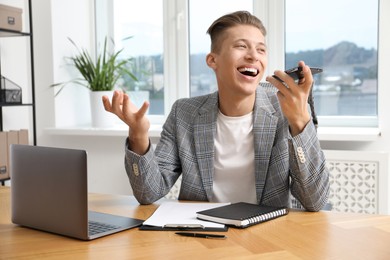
point(182, 214)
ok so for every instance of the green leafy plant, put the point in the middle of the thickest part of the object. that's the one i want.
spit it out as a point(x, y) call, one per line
point(101, 74)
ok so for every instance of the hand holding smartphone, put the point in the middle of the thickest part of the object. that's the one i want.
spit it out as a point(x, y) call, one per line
point(296, 73)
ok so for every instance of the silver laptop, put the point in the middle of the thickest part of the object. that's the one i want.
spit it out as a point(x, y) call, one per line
point(49, 192)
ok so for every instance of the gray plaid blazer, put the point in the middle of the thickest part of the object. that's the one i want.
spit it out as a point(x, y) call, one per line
point(284, 164)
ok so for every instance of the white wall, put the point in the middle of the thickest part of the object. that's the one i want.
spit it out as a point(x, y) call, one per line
point(56, 20)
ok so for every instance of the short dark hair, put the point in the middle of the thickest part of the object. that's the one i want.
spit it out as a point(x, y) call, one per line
point(227, 21)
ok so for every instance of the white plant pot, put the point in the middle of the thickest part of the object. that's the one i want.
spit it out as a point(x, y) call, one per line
point(100, 117)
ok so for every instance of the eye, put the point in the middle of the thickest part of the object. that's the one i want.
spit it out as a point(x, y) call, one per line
point(261, 50)
point(241, 46)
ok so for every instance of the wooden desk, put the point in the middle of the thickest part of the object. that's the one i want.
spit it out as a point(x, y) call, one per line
point(299, 235)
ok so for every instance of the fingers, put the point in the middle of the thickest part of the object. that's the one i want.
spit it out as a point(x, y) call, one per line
point(288, 84)
point(106, 103)
point(293, 96)
point(145, 106)
point(301, 63)
point(307, 79)
point(117, 102)
point(110, 107)
point(115, 106)
point(124, 108)
point(128, 106)
point(283, 83)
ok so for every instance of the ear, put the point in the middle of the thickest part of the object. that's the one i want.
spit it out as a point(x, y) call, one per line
point(211, 60)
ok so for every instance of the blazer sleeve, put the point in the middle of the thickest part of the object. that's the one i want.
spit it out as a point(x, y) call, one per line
point(308, 171)
point(151, 177)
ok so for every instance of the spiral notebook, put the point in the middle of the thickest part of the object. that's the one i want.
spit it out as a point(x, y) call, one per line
point(242, 214)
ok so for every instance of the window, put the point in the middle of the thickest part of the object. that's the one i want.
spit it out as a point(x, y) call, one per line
point(137, 29)
point(169, 44)
point(342, 38)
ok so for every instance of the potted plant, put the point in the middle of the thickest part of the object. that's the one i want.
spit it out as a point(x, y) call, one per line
point(100, 76)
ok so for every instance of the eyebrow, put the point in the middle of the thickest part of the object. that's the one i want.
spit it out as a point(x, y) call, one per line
point(263, 44)
point(258, 43)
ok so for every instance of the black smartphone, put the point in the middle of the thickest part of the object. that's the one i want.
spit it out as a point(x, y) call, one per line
point(296, 72)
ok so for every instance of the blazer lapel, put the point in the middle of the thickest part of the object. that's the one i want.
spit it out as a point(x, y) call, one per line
point(264, 129)
point(204, 131)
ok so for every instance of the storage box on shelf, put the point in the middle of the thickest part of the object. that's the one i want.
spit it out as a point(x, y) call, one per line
point(10, 18)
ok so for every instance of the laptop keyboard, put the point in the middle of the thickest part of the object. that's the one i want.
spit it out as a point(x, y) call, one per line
point(95, 227)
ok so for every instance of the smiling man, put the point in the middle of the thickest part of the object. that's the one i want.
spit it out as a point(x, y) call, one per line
point(240, 143)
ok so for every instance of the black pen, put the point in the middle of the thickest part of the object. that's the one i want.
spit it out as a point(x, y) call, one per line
point(203, 235)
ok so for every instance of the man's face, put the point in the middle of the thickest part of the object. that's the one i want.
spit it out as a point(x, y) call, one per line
point(242, 58)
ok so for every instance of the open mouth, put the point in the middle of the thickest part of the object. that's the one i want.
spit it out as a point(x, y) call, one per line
point(248, 71)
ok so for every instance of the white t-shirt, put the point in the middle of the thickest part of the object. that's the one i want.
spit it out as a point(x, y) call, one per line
point(234, 161)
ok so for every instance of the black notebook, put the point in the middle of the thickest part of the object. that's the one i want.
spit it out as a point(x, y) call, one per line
point(241, 214)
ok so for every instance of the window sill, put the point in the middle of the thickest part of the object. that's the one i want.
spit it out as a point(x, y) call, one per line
point(362, 134)
point(119, 131)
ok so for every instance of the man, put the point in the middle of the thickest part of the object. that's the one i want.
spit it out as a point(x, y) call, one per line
point(240, 143)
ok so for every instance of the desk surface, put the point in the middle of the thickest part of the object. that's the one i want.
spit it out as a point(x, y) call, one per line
point(299, 235)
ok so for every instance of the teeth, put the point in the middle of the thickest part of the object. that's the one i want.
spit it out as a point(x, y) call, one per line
point(253, 70)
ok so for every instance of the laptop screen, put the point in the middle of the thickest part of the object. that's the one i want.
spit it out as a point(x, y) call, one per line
point(49, 189)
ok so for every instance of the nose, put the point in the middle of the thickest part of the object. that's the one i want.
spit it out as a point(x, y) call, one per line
point(252, 54)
